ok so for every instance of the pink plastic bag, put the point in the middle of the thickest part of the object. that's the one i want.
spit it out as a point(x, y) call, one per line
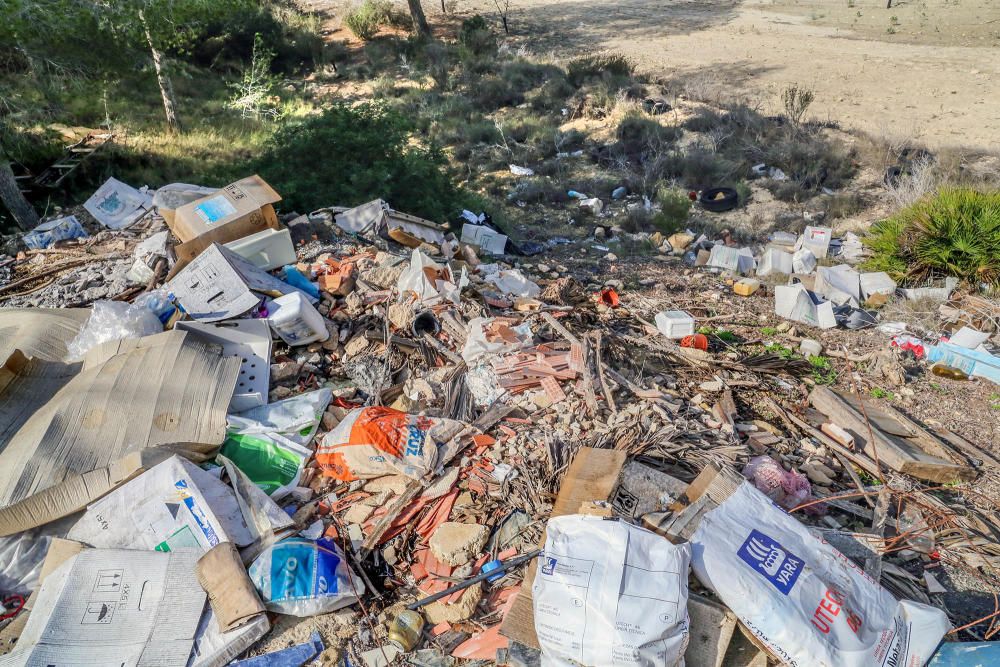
point(788, 488)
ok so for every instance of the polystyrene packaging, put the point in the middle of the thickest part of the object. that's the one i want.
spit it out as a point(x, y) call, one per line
point(296, 321)
point(301, 577)
point(810, 605)
point(610, 594)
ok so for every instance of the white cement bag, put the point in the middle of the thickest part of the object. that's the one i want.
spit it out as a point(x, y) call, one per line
point(610, 594)
point(808, 603)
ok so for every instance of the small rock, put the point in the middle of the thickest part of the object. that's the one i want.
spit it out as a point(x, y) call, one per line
point(711, 386)
point(611, 257)
point(285, 370)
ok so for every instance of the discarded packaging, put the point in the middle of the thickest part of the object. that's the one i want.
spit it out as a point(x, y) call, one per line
point(840, 284)
point(796, 303)
point(117, 205)
point(295, 320)
point(47, 233)
point(301, 577)
point(250, 342)
point(774, 261)
point(803, 261)
point(296, 418)
point(237, 210)
point(592, 595)
point(817, 240)
point(736, 260)
point(746, 287)
point(675, 324)
point(273, 462)
point(799, 596)
point(111, 321)
point(788, 488)
point(267, 249)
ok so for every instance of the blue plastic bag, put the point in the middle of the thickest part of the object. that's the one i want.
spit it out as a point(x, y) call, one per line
point(302, 577)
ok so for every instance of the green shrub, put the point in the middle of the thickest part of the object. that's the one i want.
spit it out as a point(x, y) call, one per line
point(674, 208)
point(699, 168)
point(349, 155)
point(525, 75)
point(476, 38)
point(553, 94)
point(602, 66)
point(492, 92)
point(705, 120)
point(366, 20)
point(640, 136)
point(953, 233)
point(810, 161)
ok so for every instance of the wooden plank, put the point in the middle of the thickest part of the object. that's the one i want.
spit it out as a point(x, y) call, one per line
point(563, 331)
point(904, 455)
point(592, 476)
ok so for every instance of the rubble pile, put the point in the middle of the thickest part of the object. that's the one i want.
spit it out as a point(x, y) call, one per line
point(355, 437)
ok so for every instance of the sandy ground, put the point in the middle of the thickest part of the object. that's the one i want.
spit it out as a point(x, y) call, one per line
point(926, 70)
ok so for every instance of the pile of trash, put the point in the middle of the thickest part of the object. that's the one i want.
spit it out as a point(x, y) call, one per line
point(354, 437)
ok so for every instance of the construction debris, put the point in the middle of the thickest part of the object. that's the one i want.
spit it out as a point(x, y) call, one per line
point(363, 438)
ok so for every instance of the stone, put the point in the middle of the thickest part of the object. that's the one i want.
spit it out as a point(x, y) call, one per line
point(711, 386)
point(456, 612)
point(284, 371)
point(457, 543)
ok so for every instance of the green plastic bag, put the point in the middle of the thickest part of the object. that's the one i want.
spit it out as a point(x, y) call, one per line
point(273, 462)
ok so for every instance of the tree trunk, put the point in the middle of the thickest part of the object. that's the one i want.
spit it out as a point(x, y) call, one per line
point(166, 87)
point(889, 5)
point(444, 10)
point(10, 194)
point(419, 20)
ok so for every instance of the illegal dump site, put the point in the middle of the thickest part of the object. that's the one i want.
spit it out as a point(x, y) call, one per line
point(358, 437)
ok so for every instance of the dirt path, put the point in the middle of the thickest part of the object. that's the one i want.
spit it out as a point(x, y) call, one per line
point(930, 74)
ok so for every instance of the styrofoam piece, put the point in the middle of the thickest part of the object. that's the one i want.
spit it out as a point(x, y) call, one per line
point(936, 293)
point(803, 261)
point(675, 324)
point(816, 239)
point(840, 284)
point(877, 282)
point(267, 250)
point(796, 303)
point(969, 338)
point(488, 240)
point(738, 260)
point(296, 320)
point(774, 261)
point(250, 340)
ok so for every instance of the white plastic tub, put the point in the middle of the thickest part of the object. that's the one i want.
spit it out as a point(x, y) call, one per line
point(296, 321)
point(675, 323)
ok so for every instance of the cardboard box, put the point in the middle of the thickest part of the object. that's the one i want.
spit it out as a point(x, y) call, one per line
point(66, 431)
point(219, 285)
point(237, 210)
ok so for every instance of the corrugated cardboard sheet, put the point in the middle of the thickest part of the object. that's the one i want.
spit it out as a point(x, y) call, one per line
point(42, 333)
point(68, 430)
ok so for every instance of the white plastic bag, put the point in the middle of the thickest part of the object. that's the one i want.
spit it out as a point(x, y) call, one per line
point(296, 418)
point(303, 577)
point(610, 594)
point(808, 603)
point(112, 320)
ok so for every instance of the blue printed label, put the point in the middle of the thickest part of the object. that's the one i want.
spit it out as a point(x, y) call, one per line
point(214, 209)
point(549, 566)
point(414, 441)
point(197, 513)
point(300, 571)
point(775, 563)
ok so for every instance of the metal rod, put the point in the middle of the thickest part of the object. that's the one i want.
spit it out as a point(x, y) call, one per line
point(504, 566)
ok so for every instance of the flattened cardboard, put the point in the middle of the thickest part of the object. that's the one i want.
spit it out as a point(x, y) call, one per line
point(40, 333)
point(237, 210)
point(230, 592)
point(592, 476)
point(168, 390)
point(117, 205)
point(219, 285)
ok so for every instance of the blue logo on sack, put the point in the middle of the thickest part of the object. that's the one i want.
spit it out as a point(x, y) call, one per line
point(778, 565)
point(549, 567)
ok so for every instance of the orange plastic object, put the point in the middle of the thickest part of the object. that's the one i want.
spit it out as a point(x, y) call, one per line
point(697, 341)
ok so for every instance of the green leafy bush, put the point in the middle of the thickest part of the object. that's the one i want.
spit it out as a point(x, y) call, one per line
point(602, 66)
point(953, 233)
point(366, 20)
point(674, 208)
point(350, 155)
point(640, 136)
point(475, 37)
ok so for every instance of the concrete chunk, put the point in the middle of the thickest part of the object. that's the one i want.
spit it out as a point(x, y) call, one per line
point(458, 543)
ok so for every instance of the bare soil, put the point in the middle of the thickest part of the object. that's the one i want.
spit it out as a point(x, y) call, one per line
point(925, 70)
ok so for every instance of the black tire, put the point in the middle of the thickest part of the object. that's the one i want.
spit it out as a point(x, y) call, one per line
point(729, 200)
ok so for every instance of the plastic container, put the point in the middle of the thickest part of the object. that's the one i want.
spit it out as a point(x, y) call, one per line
point(267, 250)
point(675, 324)
point(296, 321)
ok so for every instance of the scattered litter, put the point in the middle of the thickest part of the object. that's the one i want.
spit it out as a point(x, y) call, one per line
point(303, 577)
point(60, 229)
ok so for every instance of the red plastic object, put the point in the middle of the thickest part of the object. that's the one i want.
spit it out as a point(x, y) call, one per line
point(8, 602)
point(697, 341)
point(609, 297)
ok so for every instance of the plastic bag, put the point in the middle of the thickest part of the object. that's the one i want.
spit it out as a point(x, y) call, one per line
point(477, 344)
point(296, 418)
point(21, 558)
point(610, 593)
point(430, 281)
point(809, 604)
point(273, 462)
point(377, 441)
point(303, 577)
point(512, 281)
point(49, 232)
point(113, 320)
point(788, 488)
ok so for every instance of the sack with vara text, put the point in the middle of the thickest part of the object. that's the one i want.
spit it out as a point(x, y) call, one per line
point(810, 605)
